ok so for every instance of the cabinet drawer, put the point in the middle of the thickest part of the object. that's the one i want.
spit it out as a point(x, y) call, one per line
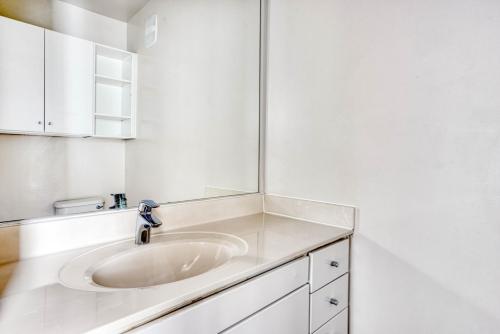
point(289, 315)
point(328, 263)
point(337, 325)
point(329, 301)
point(222, 310)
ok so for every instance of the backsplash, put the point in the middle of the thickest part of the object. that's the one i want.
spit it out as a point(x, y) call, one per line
point(51, 235)
point(57, 234)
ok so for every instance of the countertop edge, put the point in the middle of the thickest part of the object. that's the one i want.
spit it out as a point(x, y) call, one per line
point(147, 318)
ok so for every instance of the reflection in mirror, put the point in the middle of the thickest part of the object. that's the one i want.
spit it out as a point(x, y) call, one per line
point(105, 103)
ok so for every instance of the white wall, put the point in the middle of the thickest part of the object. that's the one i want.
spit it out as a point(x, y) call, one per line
point(393, 106)
point(36, 171)
point(67, 19)
point(198, 101)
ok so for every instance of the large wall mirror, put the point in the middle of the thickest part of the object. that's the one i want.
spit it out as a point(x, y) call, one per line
point(105, 103)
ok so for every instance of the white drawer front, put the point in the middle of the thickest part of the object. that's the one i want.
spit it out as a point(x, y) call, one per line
point(222, 310)
point(329, 301)
point(328, 263)
point(289, 315)
point(337, 325)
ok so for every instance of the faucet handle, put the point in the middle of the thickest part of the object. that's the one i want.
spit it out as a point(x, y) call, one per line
point(147, 204)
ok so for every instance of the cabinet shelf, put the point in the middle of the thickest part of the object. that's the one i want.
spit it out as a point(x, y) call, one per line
point(105, 80)
point(112, 137)
point(112, 53)
point(112, 117)
point(115, 93)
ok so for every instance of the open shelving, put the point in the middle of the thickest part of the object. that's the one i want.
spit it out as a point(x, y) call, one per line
point(115, 93)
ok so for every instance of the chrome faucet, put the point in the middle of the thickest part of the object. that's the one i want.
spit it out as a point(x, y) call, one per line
point(145, 221)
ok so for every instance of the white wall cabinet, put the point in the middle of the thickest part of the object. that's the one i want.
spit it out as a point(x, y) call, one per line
point(69, 85)
point(56, 84)
point(21, 77)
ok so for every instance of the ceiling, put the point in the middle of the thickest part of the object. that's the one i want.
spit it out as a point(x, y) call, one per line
point(121, 10)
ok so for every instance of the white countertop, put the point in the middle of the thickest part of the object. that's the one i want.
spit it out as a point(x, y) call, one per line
point(35, 302)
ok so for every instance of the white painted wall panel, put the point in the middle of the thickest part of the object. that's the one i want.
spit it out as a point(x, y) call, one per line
point(393, 106)
point(36, 171)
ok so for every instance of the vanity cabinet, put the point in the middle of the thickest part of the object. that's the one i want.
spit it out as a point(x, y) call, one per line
point(69, 85)
point(21, 77)
point(329, 287)
point(308, 295)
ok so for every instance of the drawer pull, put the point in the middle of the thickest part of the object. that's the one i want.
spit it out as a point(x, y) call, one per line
point(334, 264)
point(334, 301)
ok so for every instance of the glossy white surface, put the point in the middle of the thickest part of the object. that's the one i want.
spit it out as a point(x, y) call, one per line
point(338, 325)
point(21, 79)
point(222, 310)
point(69, 84)
point(328, 263)
point(289, 315)
point(168, 258)
point(322, 309)
point(35, 301)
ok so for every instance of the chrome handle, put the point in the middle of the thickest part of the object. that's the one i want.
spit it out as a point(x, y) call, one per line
point(334, 301)
point(334, 264)
point(148, 204)
point(39, 122)
point(49, 123)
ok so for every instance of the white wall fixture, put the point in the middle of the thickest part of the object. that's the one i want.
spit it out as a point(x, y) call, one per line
point(21, 77)
point(151, 31)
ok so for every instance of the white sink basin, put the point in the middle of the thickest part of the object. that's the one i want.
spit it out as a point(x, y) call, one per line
point(168, 258)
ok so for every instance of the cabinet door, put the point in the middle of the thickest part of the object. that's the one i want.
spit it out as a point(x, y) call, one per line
point(21, 76)
point(69, 84)
point(289, 315)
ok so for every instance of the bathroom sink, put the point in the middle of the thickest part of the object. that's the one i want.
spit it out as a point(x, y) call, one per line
point(169, 258)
